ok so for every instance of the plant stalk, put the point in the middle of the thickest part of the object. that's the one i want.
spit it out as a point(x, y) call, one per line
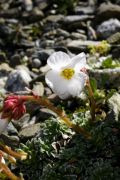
point(8, 150)
point(7, 172)
point(92, 101)
point(45, 102)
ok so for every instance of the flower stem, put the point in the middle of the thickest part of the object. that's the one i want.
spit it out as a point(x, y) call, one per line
point(18, 155)
point(92, 101)
point(45, 102)
point(10, 158)
point(7, 172)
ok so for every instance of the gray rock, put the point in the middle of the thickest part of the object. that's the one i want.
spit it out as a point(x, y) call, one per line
point(11, 129)
point(45, 114)
point(26, 43)
point(22, 122)
point(84, 10)
point(32, 16)
point(107, 28)
point(15, 60)
point(5, 69)
point(54, 18)
point(116, 53)
point(38, 89)
point(75, 18)
point(18, 80)
point(61, 32)
point(6, 31)
point(47, 44)
point(36, 63)
point(3, 57)
point(107, 11)
point(29, 131)
point(75, 21)
point(41, 114)
point(2, 84)
point(76, 35)
point(114, 104)
point(107, 78)
point(28, 5)
point(114, 38)
point(48, 91)
point(42, 55)
point(42, 4)
point(78, 46)
point(12, 141)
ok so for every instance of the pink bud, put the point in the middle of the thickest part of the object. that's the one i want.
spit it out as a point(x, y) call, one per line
point(14, 107)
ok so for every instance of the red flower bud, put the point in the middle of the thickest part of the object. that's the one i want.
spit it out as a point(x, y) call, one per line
point(13, 107)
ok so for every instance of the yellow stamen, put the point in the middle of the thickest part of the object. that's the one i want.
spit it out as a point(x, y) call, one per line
point(67, 73)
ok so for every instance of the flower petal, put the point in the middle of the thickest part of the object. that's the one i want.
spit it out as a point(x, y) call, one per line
point(56, 83)
point(65, 88)
point(58, 60)
point(77, 84)
point(78, 62)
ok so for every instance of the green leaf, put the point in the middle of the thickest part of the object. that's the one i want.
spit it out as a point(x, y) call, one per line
point(93, 84)
point(107, 63)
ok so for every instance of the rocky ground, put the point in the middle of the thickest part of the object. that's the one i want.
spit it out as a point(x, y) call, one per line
point(30, 31)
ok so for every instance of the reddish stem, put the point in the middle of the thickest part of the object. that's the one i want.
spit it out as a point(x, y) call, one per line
point(45, 102)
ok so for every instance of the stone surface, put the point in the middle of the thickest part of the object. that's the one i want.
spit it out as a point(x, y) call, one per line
point(108, 28)
point(29, 131)
point(33, 16)
point(11, 129)
point(42, 55)
point(54, 18)
point(79, 10)
point(114, 104)
point(12, 141)
point(36, 63)
point(18, 80)
point(15, 60)
point(22, 122)
point(79, 45)
point(107, 11)
point(107, 78)
point(76, 36)
point(38, 88)
point(75, 21)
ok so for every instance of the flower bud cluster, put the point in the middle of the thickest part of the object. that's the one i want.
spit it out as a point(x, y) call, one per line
point(13, 107)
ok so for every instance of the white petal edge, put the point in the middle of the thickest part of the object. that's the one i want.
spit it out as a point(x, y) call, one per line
point(78, 62)
point(58, 60)
point(3, 124)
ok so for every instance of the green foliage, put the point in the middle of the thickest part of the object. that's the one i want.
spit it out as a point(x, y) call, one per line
point(109, 63)
point(41, 149)
point(60, 154)
point(98, 94)
point(102, 48)
point(93, 84)
point(89, 160)
point(2, 176)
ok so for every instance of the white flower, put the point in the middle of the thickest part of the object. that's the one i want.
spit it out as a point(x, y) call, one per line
point(65, 77)
point(3, 124)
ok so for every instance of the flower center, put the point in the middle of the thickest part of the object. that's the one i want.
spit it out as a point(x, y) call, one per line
point(67, 73)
